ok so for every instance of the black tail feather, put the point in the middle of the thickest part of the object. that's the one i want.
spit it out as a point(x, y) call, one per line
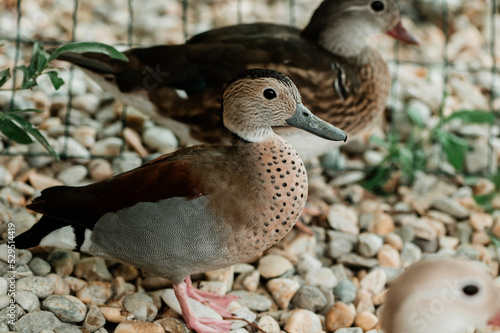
point(33, 236)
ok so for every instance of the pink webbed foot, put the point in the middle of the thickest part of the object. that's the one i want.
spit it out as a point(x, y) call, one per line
point(217, 302)
point(200, 325)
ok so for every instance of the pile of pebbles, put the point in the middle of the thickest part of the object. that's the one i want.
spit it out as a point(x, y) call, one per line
point(333, 281)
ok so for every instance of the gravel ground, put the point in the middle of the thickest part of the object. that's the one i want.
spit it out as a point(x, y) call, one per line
point(334, 281)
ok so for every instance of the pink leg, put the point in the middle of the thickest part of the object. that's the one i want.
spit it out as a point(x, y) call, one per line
point(200, 325)
point(217, 302)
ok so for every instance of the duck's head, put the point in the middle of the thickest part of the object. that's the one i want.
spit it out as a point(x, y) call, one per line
point(258, 99)
point(441, 295)
point(342, 25)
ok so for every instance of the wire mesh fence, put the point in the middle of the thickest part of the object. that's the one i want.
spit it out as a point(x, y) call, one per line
point(458, 69)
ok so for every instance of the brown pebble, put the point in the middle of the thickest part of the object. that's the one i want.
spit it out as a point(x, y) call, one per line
point(283, 290)
point(61, 286)
point(173, 325)
point(366, 320)
point(41, 182)
point(496, 228)
point(133, 139)
point(483, 186)
point(93, 269)
point(363, 301)
point(340, 315)
point(394, 240)
point(389, 256)
point(379, 298)
point(155, 283)
point(480, 237)
point(75, 284)
point(382, 224)
point(100, 169)
point(480, 221)
point(138, 327)
point(127, 272)
point(95, 292)
point(94, 319)
point(114, 314)
point(302, 321)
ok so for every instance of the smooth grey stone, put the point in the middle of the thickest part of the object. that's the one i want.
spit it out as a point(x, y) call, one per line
point(39, 266)
point(345, 291)
point(253, 301)
point(141, 306)
point(37, 321)
point(309, 298)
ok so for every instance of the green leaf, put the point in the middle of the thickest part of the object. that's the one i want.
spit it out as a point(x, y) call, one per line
point(88, 47)
point(484, 199)
point(378, 141)
point(473, 117)
point(35, 132)
point(13, 131)
point(4, 76)
point(496, 180)
point(29, 84)
point(57, 82)
point(455, 148)
point(20, 111)
point(494, 239)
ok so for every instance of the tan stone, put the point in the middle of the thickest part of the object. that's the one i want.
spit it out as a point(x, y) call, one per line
point(268, 324)
point(382, 224)
point(340, 315)
point(363, 301)
point(133, 139)
point(366, 320)
point(480, 237)
point(303, 321)
point(113, 314)
point(394, 240)
point(374, 282)
point(480, 221)
point(389, 256)
point(379, 298)
point(61, 286)
point(283, 290)
point(138, 327)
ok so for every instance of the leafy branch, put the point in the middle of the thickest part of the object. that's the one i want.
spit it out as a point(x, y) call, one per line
point(12, 124)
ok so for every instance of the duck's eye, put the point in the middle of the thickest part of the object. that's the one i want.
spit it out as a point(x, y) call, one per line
point(470, 290)
point(377, 6)
point(270, 93)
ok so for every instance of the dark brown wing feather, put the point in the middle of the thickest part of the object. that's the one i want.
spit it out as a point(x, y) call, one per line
point(166, 177)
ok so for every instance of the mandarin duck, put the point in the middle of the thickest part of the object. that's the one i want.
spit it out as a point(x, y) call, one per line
point(200, 208)
point(341, 78)
point(441, 295)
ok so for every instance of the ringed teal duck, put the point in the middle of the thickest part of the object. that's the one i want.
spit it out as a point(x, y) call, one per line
point(342, 79)
point(200, 208)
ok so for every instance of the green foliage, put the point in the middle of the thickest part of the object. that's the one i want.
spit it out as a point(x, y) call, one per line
point(12, 124)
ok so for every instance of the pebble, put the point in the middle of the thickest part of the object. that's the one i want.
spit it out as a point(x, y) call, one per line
point(340, 243)
point(307, 262)
point(350, 330)
point(394, 240)
point(100, 169)
point(41, 182)
point(138, 327)
point(74, 149)
point(93, 269)
point(352, 259)
point(382, 224)
point(339, 316)
point(62, 261)
point(452, 207)
point(322, 277)
point(95, 292)
point(242, 313)
point(366, 320)
point(253, 301)
point(480, 221)
point(127, 272)
point(199, 309)
point(141, 306)
point(5, 176)
point(85, 135)
point(113, 314)
point(346, 291)
point(3, 286)
point(343, 218)
point(74, 283)
point(268, 324)
point(309, 298)
point(107, 147)
point(61, 287)
point(369, 244)
point(133, 139)
point(173, 325)
point(389, 256)
point(37, 321)
point(38, 285)
point(282, 290)
point(364, 301)
point(303, 321)
point(94, 319)
point(224, 275)
point(374, 281)
point(448, 242)
point(272, 265)
point(73, 175)
point(4, 301)
point(39, 266)
point(23, 221)
point(160, 139)
point(126, 161)
point(251, 280)
point(67, 308)
point(28, 301)
point(410, 254)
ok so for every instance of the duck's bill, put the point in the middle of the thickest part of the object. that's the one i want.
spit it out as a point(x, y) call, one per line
point(400, 33)
point(304, 119)
point(495, 321)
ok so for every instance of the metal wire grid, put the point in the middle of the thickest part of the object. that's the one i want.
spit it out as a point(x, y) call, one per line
point(396, 60)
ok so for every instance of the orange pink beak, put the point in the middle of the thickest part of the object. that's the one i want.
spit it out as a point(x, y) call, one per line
point(495, 321)
point(399, 32)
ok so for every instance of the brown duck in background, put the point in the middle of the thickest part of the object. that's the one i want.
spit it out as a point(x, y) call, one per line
point(340, 77)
